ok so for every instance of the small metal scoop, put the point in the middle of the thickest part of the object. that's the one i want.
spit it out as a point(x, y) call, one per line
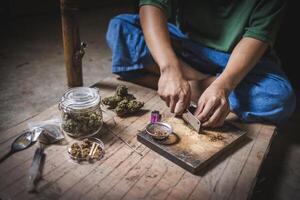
point(20, 143)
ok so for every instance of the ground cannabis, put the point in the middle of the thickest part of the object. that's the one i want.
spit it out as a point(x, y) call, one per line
point(216, 138)
point(122, 102)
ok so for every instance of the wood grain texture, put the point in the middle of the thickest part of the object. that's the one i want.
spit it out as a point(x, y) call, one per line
point(71, 42)
point(190, 150)
point(123, 174)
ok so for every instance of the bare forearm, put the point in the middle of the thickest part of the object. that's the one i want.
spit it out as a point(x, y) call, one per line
point(243, 58)
point(172, 87)
point(154, 26)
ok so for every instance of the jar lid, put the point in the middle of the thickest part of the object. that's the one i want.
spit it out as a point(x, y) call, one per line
point(80, 98)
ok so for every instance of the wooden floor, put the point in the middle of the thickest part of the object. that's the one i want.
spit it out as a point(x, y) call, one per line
point(123, 174)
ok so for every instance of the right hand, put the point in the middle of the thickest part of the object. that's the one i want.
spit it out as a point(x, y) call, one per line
point(174, 90)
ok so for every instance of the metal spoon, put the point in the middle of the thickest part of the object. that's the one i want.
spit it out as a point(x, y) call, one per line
point(21, 142)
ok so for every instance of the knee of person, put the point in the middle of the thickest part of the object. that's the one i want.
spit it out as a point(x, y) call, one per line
point(114, 24)
point(283, 104)
point(120, 21)
point(116, 27)
point(288, 99)
point(275, 105)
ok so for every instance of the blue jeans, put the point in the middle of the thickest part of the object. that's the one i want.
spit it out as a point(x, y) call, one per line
point(264, 95)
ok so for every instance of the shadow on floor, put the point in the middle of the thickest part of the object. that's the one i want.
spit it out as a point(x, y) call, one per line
point(280, 174)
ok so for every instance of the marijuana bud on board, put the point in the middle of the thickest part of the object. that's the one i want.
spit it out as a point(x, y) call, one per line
point(122, 102)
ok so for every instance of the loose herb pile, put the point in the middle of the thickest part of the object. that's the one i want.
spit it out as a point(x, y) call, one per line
point(84, 151)
point(123, 103)
point(160, 133)
point(82, 123)
point(216, 138)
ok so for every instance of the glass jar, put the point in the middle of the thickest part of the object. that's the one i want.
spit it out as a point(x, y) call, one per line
point(81, 111)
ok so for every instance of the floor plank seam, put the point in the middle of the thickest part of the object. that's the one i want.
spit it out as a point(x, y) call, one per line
point(255, 140)
point(147, 151)
point(165, 171)
point(169, 193)
point(138, 179)
point(120, 163)
point(116, 127)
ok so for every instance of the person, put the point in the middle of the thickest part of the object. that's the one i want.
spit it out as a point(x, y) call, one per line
point(218, 53)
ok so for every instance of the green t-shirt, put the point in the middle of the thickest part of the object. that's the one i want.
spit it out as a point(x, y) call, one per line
point(220, 24)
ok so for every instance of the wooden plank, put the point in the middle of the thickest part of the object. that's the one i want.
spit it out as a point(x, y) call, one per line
point(89, 174)
point(184, 187)
point(20, 157)
point(205, 186)
point(190, 150)
point(247, 179)
point(124, 174)
point(200, 187)
point(62, 170)
point(234, 167)
point(142, 94)
point(129, 180)
point(26, 156)
point(149, 179)
point(18, 175)
point(97, 190)
point(228, 178)
point(170, 179)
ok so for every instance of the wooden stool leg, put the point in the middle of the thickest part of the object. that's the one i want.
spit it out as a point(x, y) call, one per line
point(73, 50)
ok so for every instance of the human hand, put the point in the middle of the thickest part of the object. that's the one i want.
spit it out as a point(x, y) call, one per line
point(213, 106)
point(174, 90)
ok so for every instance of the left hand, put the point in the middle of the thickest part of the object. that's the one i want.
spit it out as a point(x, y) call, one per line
point(213, 106)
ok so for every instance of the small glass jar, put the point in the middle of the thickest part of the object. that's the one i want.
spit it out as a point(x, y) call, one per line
point(81, 112)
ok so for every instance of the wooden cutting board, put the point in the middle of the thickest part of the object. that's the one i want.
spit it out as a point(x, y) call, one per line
point(190, 150)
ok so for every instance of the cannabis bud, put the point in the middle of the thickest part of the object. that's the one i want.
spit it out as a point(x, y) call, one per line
point(78, 124)
point(122, 102)
point(121, 91)
point(81, 116)
point(112, 101)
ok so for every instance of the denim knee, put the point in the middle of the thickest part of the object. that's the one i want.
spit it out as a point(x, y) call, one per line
point(129, 50)
point(116, 26)
point(288, 104)
point(270, 101)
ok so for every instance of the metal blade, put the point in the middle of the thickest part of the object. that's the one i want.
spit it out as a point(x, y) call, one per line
point(189, 117)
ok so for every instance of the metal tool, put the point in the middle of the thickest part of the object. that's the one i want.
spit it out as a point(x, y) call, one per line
point(48, 134)
point(189, 117)
point(159, 126)
point(35, 171)
point(21, 142)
